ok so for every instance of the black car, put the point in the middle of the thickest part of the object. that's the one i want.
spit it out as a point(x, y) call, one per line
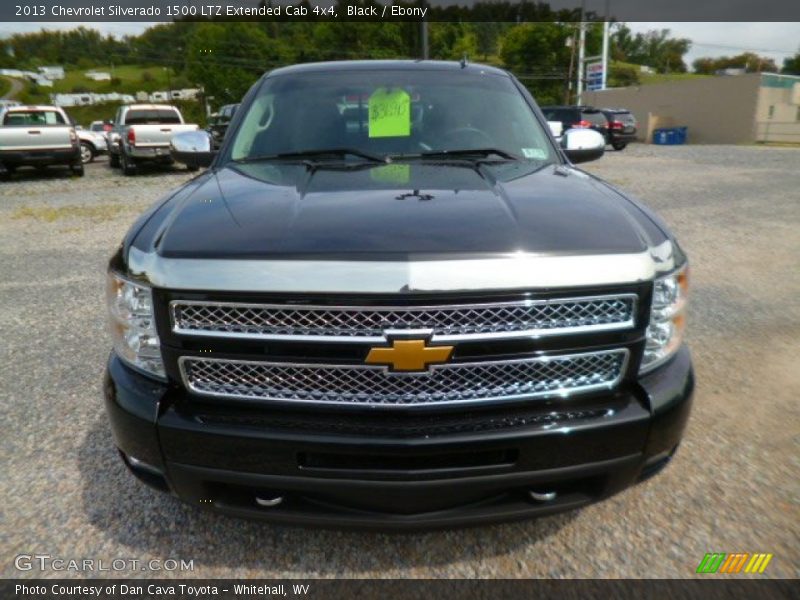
point(621, 127)
point(218, 123)
point(384, 306)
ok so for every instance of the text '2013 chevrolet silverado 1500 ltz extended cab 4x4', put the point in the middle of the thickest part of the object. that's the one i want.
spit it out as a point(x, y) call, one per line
point(38, 136)
point(392, 301)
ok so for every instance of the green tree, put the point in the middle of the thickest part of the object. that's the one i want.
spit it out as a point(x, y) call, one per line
point(539, 56)
point(227, 58)
point(654, 48)
point(749, 61)
point(791, 66)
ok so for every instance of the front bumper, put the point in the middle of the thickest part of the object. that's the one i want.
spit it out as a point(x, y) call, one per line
point(371, 471)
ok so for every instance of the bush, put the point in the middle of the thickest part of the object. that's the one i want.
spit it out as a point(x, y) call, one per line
point(622, 76)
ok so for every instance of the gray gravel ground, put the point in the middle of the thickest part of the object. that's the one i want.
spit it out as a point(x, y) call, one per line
point(733, 486)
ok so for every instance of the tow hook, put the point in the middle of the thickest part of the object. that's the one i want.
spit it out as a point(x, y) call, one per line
point(269, 502)
point(543, 496)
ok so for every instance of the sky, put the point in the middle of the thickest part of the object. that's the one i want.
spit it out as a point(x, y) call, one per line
point(774, 40)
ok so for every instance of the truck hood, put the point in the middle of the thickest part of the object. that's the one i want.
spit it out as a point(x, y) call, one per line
point(397, 211)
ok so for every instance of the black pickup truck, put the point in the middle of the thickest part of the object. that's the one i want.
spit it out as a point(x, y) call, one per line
point(392, 301)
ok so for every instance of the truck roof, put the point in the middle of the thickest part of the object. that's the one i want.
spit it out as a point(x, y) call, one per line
point(20, 107)
point(151, 107)
point(389, 65)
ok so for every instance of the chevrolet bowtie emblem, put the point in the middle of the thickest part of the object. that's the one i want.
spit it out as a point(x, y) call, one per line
point(409, 355)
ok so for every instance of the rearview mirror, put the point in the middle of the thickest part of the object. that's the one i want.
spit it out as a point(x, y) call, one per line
point(583, 145)
point(192, 148)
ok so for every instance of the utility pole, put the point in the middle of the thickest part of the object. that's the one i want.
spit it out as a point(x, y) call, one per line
point(568, 91)
point(581, 59)
point(606, 28)
point(424, 35)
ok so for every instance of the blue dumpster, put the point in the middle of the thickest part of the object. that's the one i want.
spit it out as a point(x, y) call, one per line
point(670, 136)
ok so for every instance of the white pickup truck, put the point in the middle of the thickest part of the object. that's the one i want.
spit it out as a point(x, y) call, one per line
point(37, 136)
point(142, 133)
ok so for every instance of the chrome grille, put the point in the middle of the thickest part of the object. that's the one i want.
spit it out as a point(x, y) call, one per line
point(369, 324)
point(362, 385)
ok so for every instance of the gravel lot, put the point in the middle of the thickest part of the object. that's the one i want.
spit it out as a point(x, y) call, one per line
point(733, 486)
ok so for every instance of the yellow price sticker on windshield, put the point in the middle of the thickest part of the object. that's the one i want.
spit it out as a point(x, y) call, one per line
point(389, 113)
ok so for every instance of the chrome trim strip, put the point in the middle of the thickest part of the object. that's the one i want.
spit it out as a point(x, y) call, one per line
point(510, 272)
point(389, 333)
point(559, 393)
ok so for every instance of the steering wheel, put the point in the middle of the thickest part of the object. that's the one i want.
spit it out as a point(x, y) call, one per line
point(480, 138)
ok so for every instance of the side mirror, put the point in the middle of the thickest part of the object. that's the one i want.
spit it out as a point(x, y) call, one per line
point(192, 148)
point(583, 145)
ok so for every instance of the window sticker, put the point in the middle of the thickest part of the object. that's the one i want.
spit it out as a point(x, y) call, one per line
point(389, 113)
point(534, 153)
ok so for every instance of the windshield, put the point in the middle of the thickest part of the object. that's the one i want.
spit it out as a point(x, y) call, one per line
point(392, 113)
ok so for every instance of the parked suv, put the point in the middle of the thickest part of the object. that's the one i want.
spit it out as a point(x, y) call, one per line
point(384, 306)
point(621, 128)
point(581, 117)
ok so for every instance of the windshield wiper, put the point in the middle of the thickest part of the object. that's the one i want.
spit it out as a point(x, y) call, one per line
point(310, 154)
point(465, 153)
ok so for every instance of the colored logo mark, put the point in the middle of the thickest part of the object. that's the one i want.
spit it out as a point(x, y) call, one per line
point(742, 562)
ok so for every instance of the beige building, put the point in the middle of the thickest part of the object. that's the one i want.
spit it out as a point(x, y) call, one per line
point(756, 107)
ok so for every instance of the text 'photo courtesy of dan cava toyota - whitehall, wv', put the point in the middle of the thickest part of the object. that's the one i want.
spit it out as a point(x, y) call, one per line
point(477, 300)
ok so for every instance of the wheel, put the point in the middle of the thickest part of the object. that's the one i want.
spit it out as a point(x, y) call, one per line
point(192, 168)
point(87, 152)
point(619, 146)
point(128, 166)
point(77, 170)
point(113, 160)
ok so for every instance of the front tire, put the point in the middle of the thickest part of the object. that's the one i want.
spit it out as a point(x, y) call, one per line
point(128, 166)
point(113, 160)
point(77, 170)
point(87, 153)
point(619, 146)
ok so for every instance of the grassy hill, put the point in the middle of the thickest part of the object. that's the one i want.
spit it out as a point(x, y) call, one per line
point(126, 79)
point(5, 85)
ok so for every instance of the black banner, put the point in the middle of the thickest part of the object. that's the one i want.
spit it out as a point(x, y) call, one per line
point(397, 10)
point(416, 589)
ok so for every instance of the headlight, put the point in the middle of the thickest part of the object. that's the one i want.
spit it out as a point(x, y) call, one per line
point(667, 319)
point(133, 327)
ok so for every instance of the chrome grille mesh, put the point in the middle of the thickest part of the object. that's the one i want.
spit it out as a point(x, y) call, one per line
point(368, 324)
point(362, 385)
